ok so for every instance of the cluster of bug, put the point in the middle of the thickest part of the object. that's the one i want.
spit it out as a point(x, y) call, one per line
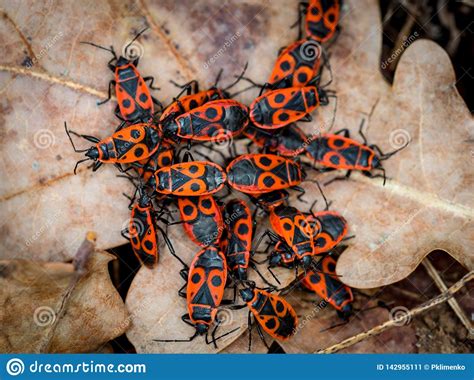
point(146, 149)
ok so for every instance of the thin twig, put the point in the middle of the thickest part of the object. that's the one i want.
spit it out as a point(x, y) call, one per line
point(56, 80)
point(452, 302)
point(401, 320)
point(80, 269)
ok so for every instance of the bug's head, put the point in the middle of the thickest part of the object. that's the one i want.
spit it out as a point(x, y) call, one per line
point(93, 153)
point(246, 294)
point(306, 261)
point(275, 260)
point(122, 61)
point(376, 162)
point(201, 328)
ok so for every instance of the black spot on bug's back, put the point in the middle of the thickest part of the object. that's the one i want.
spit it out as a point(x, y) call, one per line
point(265, 161)
point(166, 161)
point(135, 133)
point(279, 98)
point(148, 244)
point(188, 210)
point(195, 187)
point(285, 65)
point(283, 116)
point(196, 277)
point(268, 181)
point(279, 306)
point(320, 241)
point(206, 203)
point(243, 229)
point(287, 226)
point(126, 103)
point(338, 142)
point(193, 104)
point(335, 160)
point(332, 267)
point(314, 278)
point(302, 77)
point(211, 113)
point(193, 169)
point(143, 97)
point(139, 152)
point(314, 11)
point(270, 324)
point(331, 18)
point(216, 281)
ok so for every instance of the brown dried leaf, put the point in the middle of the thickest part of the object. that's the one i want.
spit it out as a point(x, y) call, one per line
point(31, 302)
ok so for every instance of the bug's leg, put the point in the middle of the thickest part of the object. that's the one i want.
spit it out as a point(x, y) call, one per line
point(238, 78)
point(345, 132)
point(118, 114)
point(121, 125)
point(158, 103)
point(370, 175)
point(109, 96)
point(260, 334)
point(307, 118)
point(68, 132)
point(182, 291)
point(339, 178)
point(302, 193)
point(302, 9)
point(151, 80)
point(78, 163)
point(96, 166)
point(361, 132)
point(170, 245)
point(250, 325)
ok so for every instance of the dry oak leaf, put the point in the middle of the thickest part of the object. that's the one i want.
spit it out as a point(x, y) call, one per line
point(428, 202)
point(33, 293)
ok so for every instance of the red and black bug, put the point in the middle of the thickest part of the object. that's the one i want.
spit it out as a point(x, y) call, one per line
point(272, 313)
point(164, 156)
point(277, 108)
point(333, 151)
point(333, 230)
point(191, 178)
point(326, 284)
point(222, 118)
point(322, 18)
point(202, 219)
point(127, 145)
point(297, 65)
point(206, 280)
point(263, 173)
point(296, 229)
point(135, 102)
point(238, 243)
point(142, 231)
